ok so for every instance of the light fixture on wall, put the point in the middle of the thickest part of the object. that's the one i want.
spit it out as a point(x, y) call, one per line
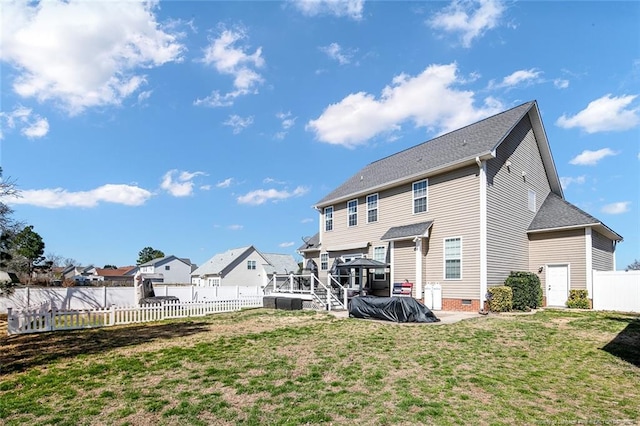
point(540, 269)
point(508, 164)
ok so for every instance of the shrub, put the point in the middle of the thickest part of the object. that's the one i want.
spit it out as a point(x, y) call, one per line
point(578, 299)
point(527, 291)
point(500, 299)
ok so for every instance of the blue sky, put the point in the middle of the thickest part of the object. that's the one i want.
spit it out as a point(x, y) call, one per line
point(195, 127)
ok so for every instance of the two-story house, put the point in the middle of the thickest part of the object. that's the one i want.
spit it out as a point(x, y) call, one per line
point(243, 266)
point(165, 270)
point(464, 210)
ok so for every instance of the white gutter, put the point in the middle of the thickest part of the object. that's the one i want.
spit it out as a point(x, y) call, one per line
point(482, 174)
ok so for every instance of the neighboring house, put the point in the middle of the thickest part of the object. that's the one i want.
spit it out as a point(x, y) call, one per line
point(166, 270)
point(79, 273)
point(464, 210)
point(244, 266)
point(115, 276)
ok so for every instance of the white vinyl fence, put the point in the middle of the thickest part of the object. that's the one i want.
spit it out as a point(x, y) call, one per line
point(616, 291)
point(42, 319)
point(74, 298)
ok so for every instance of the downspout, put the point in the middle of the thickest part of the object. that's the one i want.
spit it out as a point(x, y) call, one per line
point(482, 174)
point(588, 248)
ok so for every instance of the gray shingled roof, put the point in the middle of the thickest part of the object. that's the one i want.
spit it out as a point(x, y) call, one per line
point(280, 263)
point(217, 263)
point(555, 213)
point(406, 231)
point(312, 244)
point(460, 145)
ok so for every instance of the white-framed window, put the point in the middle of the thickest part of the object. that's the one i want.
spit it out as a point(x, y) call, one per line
point(328, 218)
point(214, 281)
point(379, 254)
point(420, 196)
point(453, 258)
point(251, 264)
point(372, 208)
point(352, 213)
point(324, 261)
point(532, 200)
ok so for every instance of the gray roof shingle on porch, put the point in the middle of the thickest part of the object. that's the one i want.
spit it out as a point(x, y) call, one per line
point(407, 231)
point(466, 143)
point(556, 213)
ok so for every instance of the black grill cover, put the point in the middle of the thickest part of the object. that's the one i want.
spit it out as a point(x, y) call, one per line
point(397, 309)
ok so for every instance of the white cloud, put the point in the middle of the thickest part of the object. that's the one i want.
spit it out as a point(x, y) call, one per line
point(235, 227)
point(182, 186)
point(228, 59)
point(348, 8)
point(128, 195)
point(335, 52)
point(287, 244)
point(591, 158)
point(306, 220)
point(604, 114)
point(616, 208)
point(561, 83)
point(83, 54)
point(469, 18)
point(288, 121)
point(31, 125)
point(225, 183)
point(238, 123)
point(205, 187)
point(565, 181)
point(272, 180)
point(261, 196)
point(360, 116)
point(520, 77)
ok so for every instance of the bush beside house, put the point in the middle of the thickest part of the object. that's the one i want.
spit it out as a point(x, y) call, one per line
point(500, 299)
point(578, 299)
point(527, 291)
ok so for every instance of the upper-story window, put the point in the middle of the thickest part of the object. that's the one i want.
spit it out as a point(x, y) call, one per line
point(251, 264)
point(167, 267)
point(420, 196)
point(328, 218)
point(324, 261)
point(372, 208)
point(352, 212)
point(532, 200)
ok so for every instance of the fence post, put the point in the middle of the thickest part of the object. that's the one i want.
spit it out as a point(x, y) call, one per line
point(28, 298)
point(192, 293)
point(237, 292)
point(112, 315)
point(11, 327)
point(104, 304)
point(290, 283)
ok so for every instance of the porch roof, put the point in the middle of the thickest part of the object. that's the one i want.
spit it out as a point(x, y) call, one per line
point(348, 246)
point(406, 232)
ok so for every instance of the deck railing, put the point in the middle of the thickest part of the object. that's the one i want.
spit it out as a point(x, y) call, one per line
point(41, 320)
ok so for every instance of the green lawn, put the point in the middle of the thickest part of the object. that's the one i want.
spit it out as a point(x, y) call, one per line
point(275, 367)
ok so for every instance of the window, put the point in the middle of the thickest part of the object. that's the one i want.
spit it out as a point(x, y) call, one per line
point(328, 218)
point(251, 264)
point(420, 196)
point(167, 268)
point(452, 258)
point(214, 282)
point(532, 200)
point(352, 212)
point(379, 255)
point(324, 261)
point(372, 208)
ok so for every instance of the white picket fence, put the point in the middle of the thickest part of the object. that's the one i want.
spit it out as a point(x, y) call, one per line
point(42, 319)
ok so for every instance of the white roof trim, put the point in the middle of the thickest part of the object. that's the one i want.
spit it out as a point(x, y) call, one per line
point(350, 246)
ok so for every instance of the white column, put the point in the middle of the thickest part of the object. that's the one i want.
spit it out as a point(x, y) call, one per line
point(483, 231)
point(588, 252)
point(419, 268)
point(391, 267)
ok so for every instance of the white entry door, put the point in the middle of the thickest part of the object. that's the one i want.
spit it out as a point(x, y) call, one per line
point(557, 285)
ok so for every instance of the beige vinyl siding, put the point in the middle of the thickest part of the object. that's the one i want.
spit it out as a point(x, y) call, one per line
point(404, 258)
point(559, 247)
point(453, 206)
point(602, 252)
point(508, 214)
